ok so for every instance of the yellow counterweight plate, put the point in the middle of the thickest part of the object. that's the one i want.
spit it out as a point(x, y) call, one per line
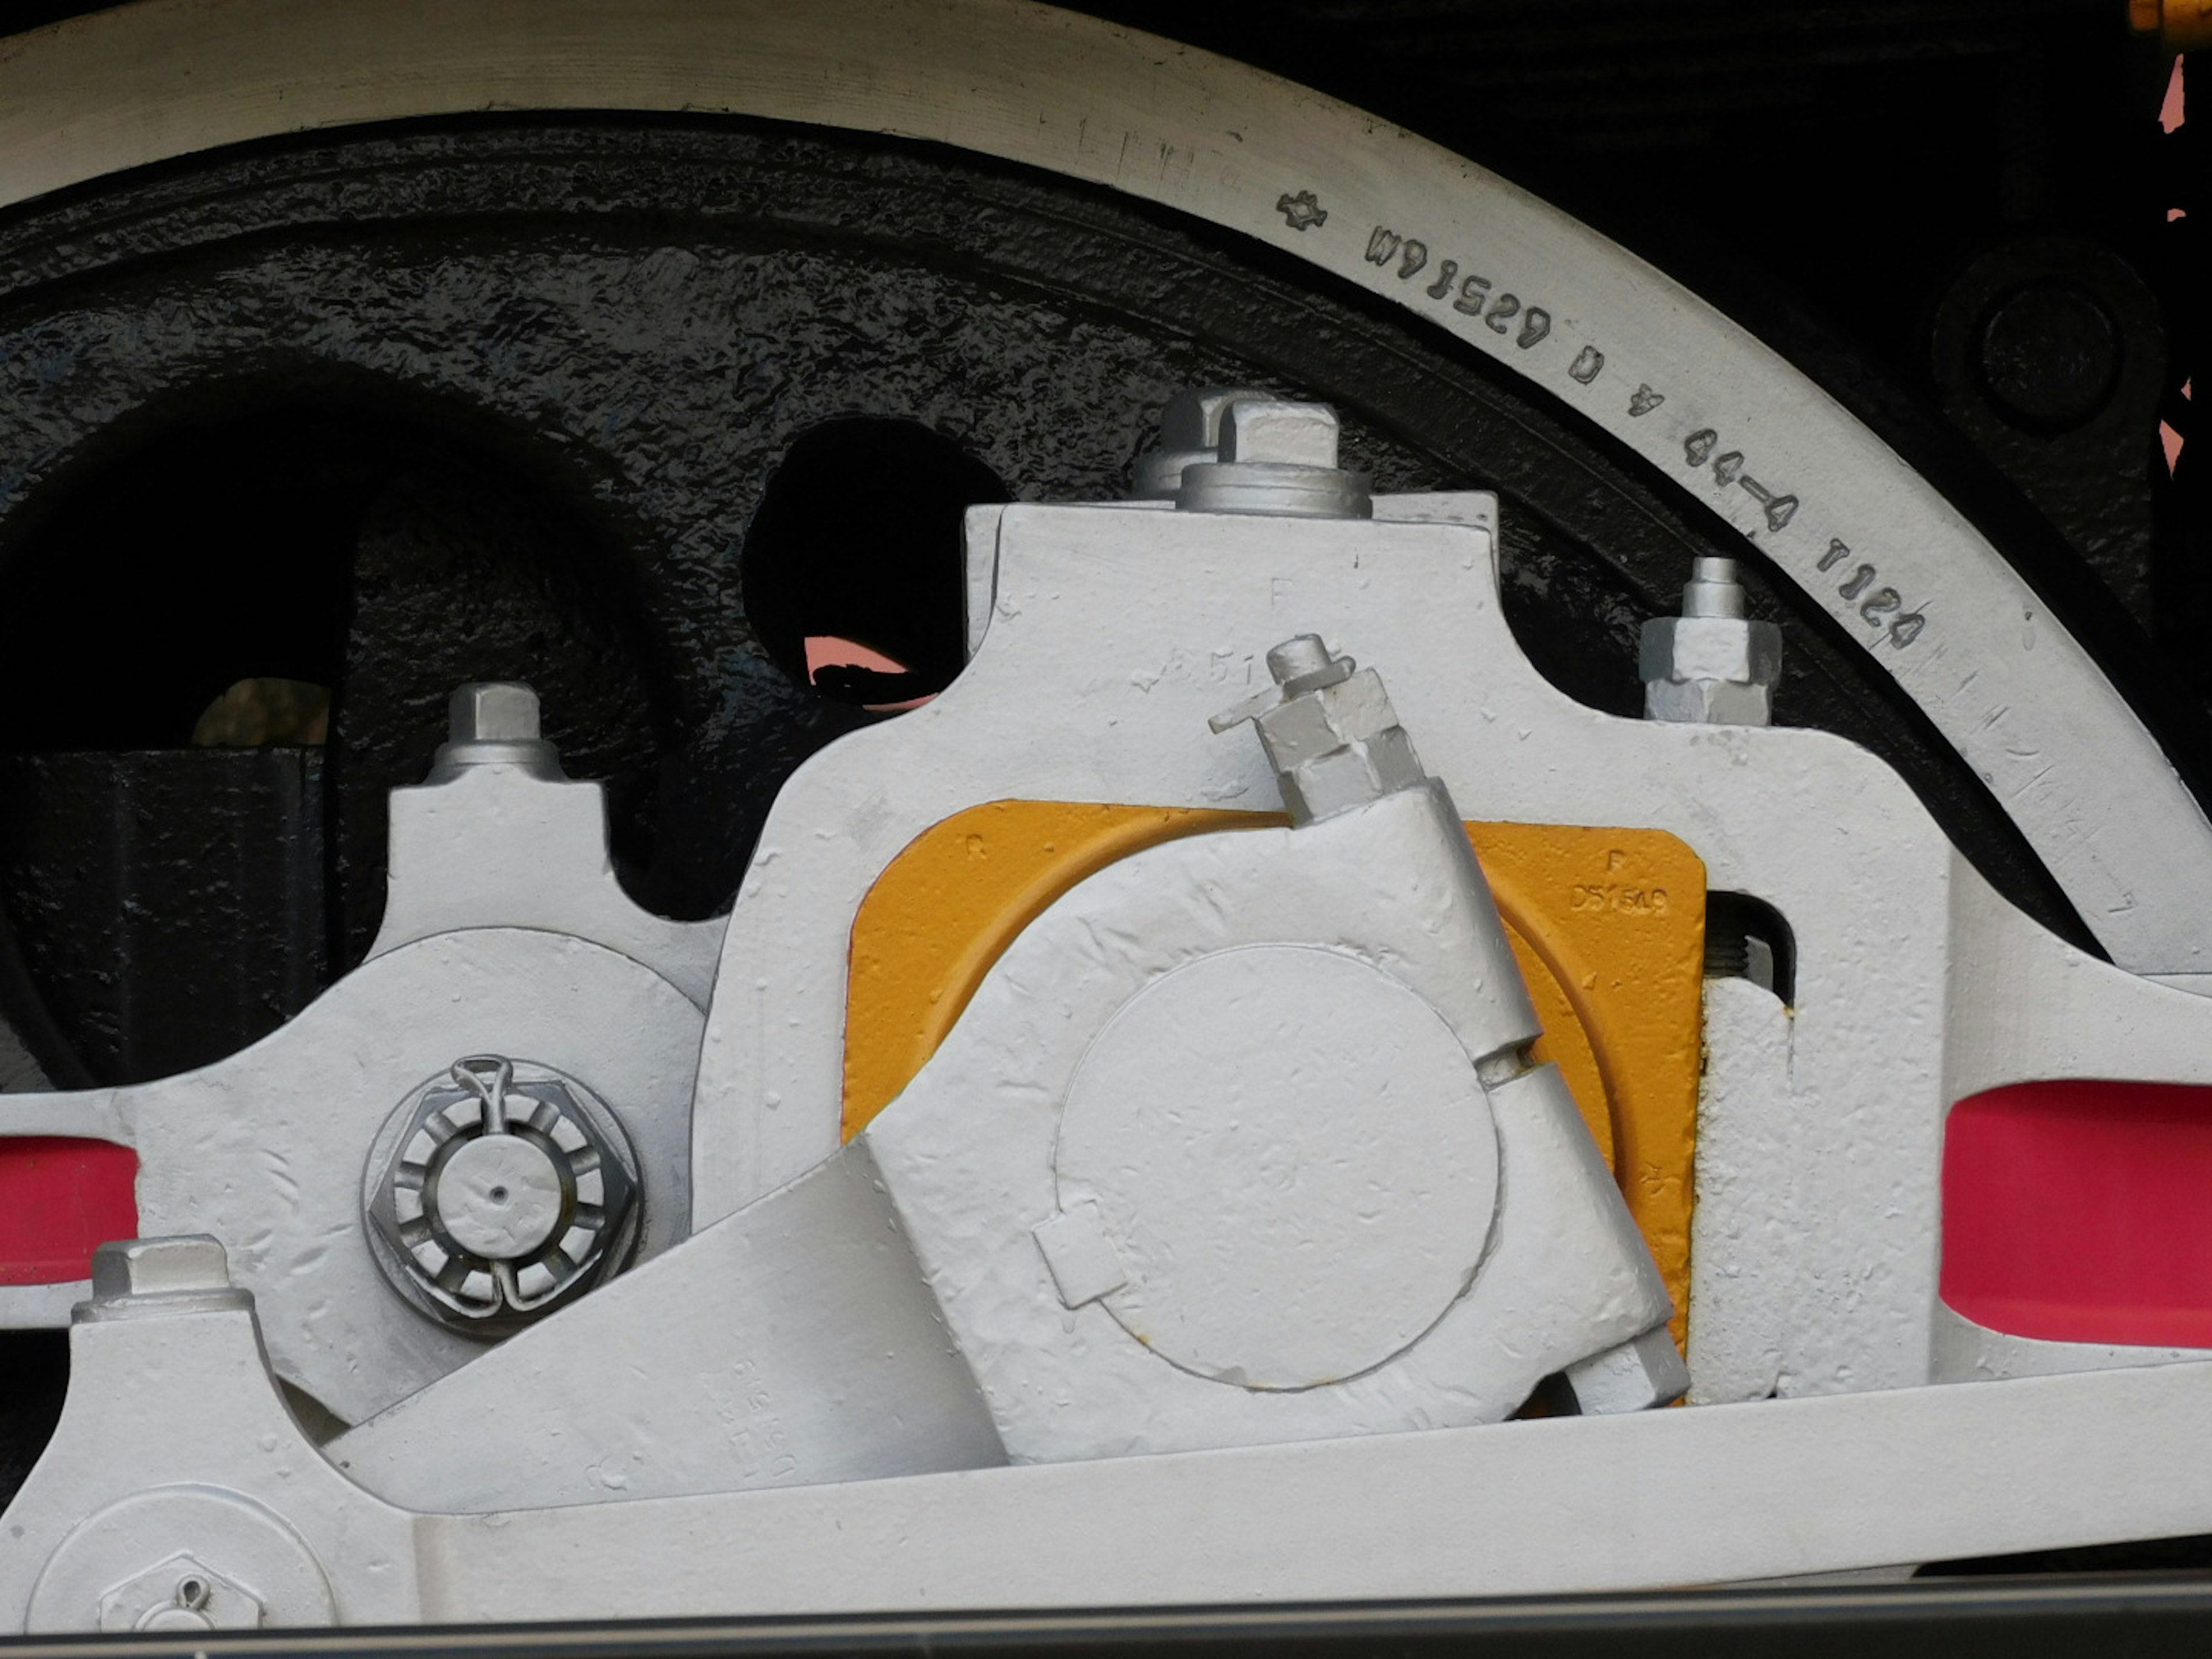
point(1608, 926)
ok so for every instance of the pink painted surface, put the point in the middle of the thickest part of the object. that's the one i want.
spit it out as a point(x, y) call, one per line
point(2082, 1211)
point(829, 650)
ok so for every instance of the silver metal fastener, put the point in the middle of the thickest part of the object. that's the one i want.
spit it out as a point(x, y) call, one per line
point(494, 723)
point(1190, 432)
point(1710, 666)
point(499, 1192)
point(1328, 730)
point(133, 1278)
point(1228, 449)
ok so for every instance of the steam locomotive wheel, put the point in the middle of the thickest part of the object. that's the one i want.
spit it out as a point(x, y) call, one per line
point(625, 351)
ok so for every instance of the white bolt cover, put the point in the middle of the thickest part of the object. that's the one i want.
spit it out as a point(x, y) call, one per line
point(499, 1197)
point(1293, 1157)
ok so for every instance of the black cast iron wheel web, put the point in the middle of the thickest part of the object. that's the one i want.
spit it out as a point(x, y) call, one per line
point(501, 399)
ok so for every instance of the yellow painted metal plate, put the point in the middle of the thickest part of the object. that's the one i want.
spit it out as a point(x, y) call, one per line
point(1608, 926)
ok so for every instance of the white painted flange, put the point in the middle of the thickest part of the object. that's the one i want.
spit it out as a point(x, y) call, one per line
point(243, 1543)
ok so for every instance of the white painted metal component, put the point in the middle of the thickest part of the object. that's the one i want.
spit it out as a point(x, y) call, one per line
point(1275, 1170)
point(266, 1150)
point(41, 1307)
point(1277, 459)
point(2019, 1006)
point(1265, 1042)
point(1564, 1504)
point(1293, 1157)
point(1747, 1227)
point(1651, 1499)
point(1842, 1097)
point(499, 1197)
point(174, 1454)
point(2022, 1006)
point(1087, 679)
point(1749, 437)
point(1329, 732)
point(271, 1575)
point(1114, 631)
point(978, 535)
point(1081, 1256)
point(1190, 432)
point(1967, 1352)
point(499, 837)
point(794, 1343)
point(183, 1593)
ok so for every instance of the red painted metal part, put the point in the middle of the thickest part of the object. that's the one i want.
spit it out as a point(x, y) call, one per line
point(2082, 1211)
point(59, 1199)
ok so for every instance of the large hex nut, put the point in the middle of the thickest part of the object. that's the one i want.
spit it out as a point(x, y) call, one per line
point(1277, 459)
point(1712, 670)
point(1338, 746)
point(1635, 1377)
point(1190, 435)
point(500, 1193)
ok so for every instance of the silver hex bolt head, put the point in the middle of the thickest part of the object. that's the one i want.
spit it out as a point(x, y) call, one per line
point(159, 1266)
point(493, 711)
point(1230, 449)
point(1277, 430)
point(1637, 1375)
point(1190, 432)
point(1303, 663)
point(494, 723)
point(1278, 459)
point(1710, 666)
point(1328, 731)
point(136, 1278)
